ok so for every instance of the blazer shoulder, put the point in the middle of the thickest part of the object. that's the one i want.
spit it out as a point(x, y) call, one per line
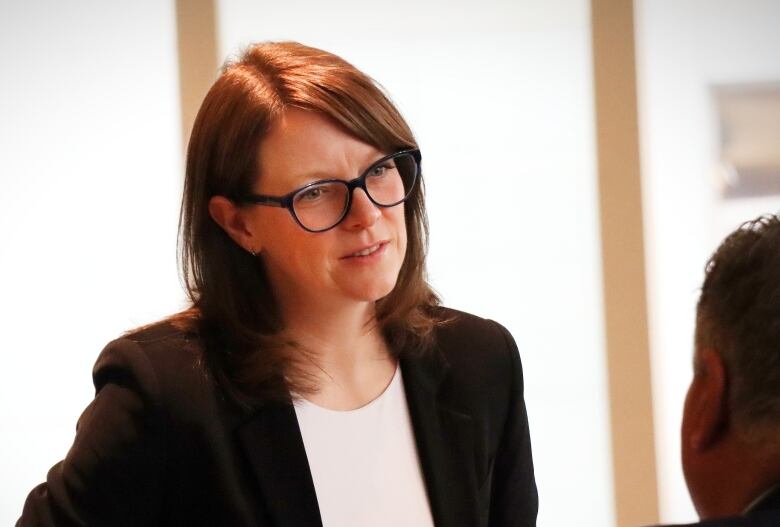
point(162, 362)
point(463, 336)
point(160, 341)
point(476, 350)
point(163, 333)
point(162, 345)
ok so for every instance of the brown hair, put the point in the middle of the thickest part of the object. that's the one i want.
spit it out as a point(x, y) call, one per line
point(738, 316)
point(233, 308)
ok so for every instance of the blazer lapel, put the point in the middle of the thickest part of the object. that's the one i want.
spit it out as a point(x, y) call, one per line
point(272, 442)
point(274, 447)
point(445, 444)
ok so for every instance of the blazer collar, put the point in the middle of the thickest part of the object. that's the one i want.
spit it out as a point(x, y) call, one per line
point(272, 442)
point(769, 500)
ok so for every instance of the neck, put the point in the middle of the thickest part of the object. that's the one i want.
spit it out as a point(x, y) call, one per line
point(739, 473)
point(343, 351)
point(341, 336)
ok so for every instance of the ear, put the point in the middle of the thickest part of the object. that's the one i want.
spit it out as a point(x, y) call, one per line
point(234, 221)
point(706, 414)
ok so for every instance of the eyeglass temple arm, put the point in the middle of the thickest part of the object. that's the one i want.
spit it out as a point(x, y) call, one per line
point(266, 200)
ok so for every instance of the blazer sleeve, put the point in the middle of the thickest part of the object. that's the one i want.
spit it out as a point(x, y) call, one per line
point(113, 473)
point(514, 500)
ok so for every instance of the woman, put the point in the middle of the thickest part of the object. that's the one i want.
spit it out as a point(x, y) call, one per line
point(315, 380)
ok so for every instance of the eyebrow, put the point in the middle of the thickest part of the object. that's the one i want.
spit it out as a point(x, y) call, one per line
point(304, 178)
point(308, 177)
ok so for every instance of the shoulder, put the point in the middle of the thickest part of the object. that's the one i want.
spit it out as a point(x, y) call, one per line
point(163, 364)
point(756, 519)
point(166, 347)
point(160, 347)
point(470, 342)
point(481, 363)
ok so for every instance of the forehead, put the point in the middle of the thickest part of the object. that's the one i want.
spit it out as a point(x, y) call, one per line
point(303, 146)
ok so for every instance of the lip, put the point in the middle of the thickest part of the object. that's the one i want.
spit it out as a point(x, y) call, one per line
point(380, 248)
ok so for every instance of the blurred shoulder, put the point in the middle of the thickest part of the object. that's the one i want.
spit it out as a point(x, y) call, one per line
point(770, 518)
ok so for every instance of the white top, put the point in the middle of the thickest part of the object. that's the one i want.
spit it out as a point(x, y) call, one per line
point(364, 462)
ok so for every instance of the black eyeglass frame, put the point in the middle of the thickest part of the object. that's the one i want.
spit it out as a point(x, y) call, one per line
point(286, 201)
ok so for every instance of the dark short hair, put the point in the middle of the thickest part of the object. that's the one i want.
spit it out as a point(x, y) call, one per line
point(738, 316)
point(232, 302)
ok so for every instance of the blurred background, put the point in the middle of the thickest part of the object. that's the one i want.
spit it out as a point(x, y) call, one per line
point(582, 159)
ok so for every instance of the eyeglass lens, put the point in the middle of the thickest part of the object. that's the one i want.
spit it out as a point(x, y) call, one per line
point(388, 183)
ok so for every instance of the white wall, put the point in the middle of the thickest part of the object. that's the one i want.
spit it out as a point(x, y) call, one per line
point(684, 47)
point(499, 95)
point(90, 173)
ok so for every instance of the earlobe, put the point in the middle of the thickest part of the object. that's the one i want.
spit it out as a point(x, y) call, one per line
point(230, 217)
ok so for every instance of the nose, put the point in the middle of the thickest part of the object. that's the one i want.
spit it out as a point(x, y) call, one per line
point(362, 213)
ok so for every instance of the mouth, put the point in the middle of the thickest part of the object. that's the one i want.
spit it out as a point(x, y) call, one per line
point(368, 251)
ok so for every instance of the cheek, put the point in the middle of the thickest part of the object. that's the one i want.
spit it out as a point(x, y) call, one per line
point(399, 221)
point(302, 253)
point(686, 446)
point(691, 412)
point(290, 248)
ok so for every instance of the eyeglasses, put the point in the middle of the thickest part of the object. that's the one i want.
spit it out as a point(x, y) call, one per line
point(323, 204)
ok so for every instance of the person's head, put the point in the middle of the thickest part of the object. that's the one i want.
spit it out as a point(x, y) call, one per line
point(278, 118)
point(731, 422)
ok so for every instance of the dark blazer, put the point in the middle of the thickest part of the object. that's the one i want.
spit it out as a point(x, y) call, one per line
point(765, 513)
point(160, 445)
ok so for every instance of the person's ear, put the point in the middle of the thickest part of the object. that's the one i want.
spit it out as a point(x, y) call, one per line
point(233, 221)
point(706, 407)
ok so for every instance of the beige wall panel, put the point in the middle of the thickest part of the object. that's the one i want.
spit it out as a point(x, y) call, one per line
point(198, 56)
point(623, 262)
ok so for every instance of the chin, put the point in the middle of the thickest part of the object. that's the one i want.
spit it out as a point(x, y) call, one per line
point(374, 291)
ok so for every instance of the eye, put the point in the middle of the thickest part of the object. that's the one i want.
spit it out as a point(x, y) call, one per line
point(311, 194)
point(380, 170)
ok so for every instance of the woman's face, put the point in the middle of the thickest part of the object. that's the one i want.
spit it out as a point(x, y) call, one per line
point(329, 267)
